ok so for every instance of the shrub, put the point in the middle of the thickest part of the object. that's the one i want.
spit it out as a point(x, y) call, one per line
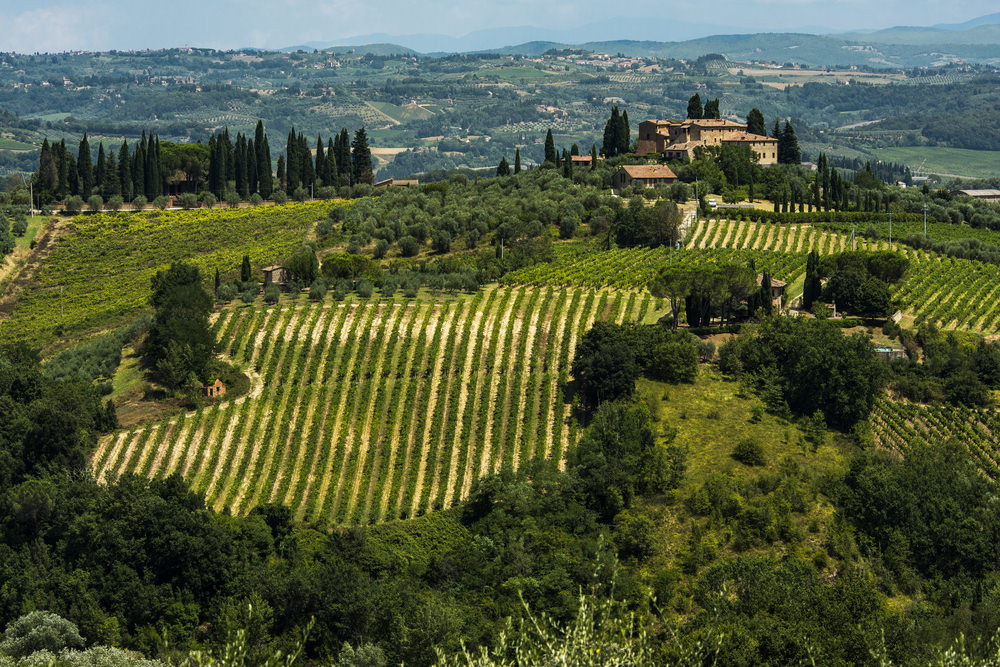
point(279, 197)
point(365, 288)
point(225, 293)
point(139, 203)
point(381, 249)
point(317, 290)
point(249, 295)
point(441, 241)
point(256, 199)
point(20, 226)
point(568, 226)
point(39, 631)
point(74, 204)
point(326, 192)
point(208, 199)
point(95, 203)
point(272, 293)
point(749, 452)
point(115, 202)
point(388, 288)
point(232, 199)
point(300, 194)
point(409, 246)
point(161, 202)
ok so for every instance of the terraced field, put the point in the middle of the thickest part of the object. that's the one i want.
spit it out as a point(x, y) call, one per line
point(370, 410)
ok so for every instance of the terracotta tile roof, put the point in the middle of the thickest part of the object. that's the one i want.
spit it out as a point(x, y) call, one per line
point(747, 137)
point(276, 267)
point(774, 281)
point(684, 145)
point(648, 171)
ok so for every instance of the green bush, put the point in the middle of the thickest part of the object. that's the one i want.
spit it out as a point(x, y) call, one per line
point(95, 203)
point(272, 293)
point(115, 203)
point(279, 197)
point(74, 204)
point(365, 288)
point(139, 203)
point(749, 452)
point(188, 201)
point(161, 202)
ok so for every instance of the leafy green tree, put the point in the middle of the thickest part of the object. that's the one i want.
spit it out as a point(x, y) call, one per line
point(755, 123)
point(812, 288)
point(712, 109)
point(695, 109)
point(604, 366)
point(180, 340)
point(788, 146)
point(303, 265)
point(503, 169)
point(39, 631)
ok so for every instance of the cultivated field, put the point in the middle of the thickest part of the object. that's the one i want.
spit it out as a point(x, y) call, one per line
point(371, 410)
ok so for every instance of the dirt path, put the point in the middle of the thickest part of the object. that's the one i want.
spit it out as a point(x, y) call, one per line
point(19, 269)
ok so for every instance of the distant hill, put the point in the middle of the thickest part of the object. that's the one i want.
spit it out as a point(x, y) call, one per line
point(989, 19)
point(381, 49)
point(983, 34)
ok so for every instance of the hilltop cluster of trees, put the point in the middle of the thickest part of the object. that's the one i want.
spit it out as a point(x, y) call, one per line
point(727, 291)
point(126, 174)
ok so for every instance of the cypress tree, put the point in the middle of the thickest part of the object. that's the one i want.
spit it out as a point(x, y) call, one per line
point(612, 131)
point(293, 165)
point(47, 177)
point(624, 134)
point(84, 168)
point(332, 167)
point(213, 166)
point(110, 185)
point(320, 160)
point(766, 303)
point(242, 180)
point(73, 176)
point(574, 150)
point(99, 169)
point(694, 107)
point(503, 169)
point(755, 123)
point(361, 156)
point(342, 149)
point(264, 169)
point(307, 169)
point(218, 280)
point(65, 168)
point(282, 179)
point(792, 153)
point(228, 160)
point(550, 148)
point(812, 286)
point(712, 109)
point(246, 273)
point(593, 157)
point(517, 160)
point(252, 181)
point(139, 167)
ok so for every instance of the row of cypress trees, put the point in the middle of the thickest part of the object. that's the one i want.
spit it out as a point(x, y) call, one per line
point(128, 172)
point(246, 163)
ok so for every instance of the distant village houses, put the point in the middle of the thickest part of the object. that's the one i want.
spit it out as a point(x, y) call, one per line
point(678, 139)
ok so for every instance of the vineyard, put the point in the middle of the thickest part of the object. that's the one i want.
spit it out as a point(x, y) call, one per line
point(100, 273)
point(899, 426)
point(955, 293)
point(370, 410)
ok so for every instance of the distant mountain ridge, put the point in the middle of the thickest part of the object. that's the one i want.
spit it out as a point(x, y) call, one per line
point(976, 40)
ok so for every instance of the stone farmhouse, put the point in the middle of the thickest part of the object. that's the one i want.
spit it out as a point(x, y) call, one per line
point(678, 139)
point(647, 175)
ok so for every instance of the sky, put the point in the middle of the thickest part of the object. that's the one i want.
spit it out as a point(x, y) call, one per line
point(30, 26)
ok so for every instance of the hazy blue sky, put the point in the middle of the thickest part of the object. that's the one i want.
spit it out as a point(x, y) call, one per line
point(61, 25)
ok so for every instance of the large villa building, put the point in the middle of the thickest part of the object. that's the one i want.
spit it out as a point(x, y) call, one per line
point(677, 139)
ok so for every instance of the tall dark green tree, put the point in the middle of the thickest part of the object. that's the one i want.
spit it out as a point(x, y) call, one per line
point(788, 145)
point(246, 273)
point(503, 169)
point(265, 183)
point(755, 123)
point(344, 162)
point(593, 157)
point(625, 134)
point(85, 168)
point(252, 181)
point(712, 109)
point(616, 134)
point(242, 179)
point(695, 109)
point(180, 344)
point(320, 160)
point(281, 175)
point(550, 148)
point(110, 185)
point(139, 167)
point(330, 166)
point(812, 288)
point(567, 164)
point(361, 157)
point(293, 163)
point(99, 169)
point(517, 160)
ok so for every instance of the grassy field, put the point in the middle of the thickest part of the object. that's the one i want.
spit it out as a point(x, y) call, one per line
point(944, 161)
point(378, 409)
point(8, 144)
point(99, 274)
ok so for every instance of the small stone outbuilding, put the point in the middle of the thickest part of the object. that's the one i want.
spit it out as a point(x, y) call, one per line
point(275, 274)
point(214, 390)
